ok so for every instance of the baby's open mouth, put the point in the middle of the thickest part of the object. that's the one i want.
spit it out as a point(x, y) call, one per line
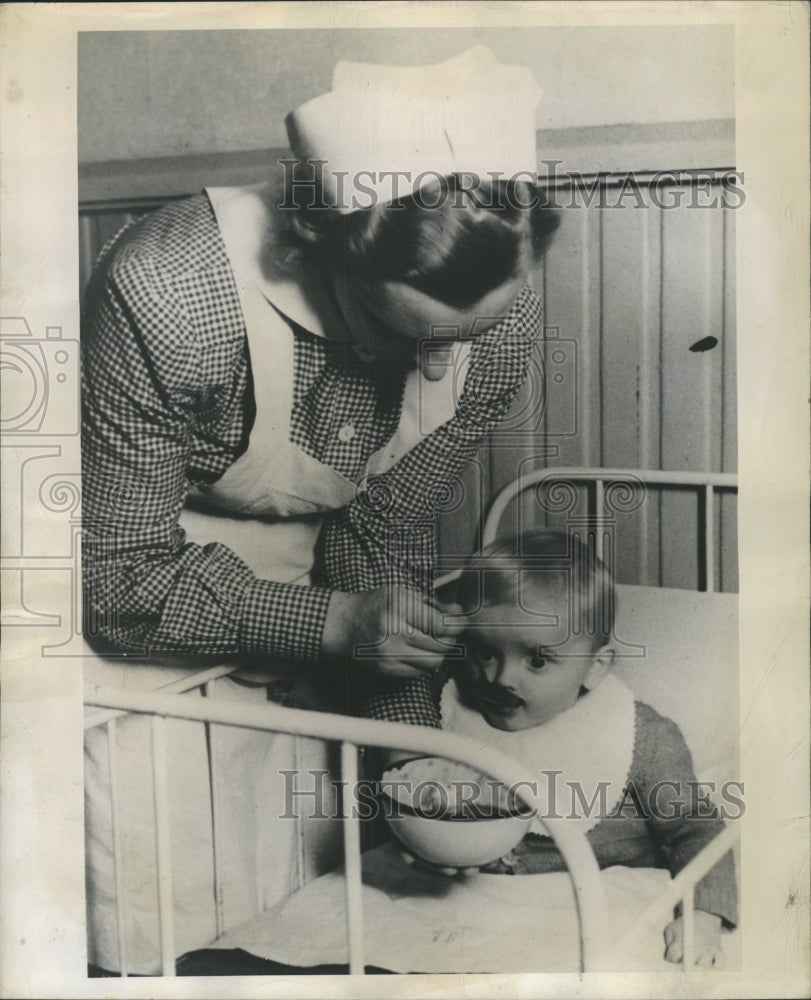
point(497, 699)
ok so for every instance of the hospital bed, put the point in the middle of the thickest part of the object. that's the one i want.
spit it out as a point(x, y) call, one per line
point(677, 651)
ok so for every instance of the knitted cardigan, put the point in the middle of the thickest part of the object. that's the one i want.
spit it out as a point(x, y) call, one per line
point(654, 826)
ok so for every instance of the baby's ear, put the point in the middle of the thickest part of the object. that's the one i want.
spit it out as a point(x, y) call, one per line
point(601, 663)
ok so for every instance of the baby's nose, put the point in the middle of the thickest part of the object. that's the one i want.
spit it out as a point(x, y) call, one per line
point(508, 673)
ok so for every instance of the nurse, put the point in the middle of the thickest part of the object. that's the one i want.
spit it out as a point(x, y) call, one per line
point(280, 383)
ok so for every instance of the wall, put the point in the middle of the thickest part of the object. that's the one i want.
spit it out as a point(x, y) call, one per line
point(151, 94)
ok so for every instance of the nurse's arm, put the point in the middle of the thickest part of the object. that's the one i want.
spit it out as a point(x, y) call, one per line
point(146, 588)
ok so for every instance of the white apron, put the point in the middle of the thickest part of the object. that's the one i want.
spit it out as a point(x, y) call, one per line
point(268, 509)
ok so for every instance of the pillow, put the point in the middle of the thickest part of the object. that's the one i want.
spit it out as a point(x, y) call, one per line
point(678, 651)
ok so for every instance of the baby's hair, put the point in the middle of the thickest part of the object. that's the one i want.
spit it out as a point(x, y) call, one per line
point(534, 562)
point(454, 244)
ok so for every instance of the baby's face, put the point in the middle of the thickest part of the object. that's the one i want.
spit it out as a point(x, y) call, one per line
point(523, 669)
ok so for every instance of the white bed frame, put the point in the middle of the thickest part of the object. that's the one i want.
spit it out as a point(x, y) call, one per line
point(353, 733)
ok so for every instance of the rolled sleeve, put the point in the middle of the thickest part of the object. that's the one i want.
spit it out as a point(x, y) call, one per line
point(283, 620)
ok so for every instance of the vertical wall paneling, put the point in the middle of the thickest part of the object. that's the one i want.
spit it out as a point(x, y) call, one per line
point(684, 404)
point(573, 317)
point(728, 502)
point(623, 358)
point(649, 390)
point(588, 369)
point(714, 371)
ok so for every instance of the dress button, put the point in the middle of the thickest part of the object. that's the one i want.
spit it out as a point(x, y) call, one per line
point(346, 433)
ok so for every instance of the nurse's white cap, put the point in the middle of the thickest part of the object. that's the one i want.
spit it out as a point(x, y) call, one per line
point(469, 115)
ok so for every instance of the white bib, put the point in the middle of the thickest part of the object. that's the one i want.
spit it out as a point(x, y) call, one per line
point(591, 744)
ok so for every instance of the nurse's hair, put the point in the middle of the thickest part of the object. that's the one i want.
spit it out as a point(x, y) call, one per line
point(519, 570)
point(453, 240)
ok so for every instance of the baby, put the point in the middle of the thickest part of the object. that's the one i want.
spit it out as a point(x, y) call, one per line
point(536, 682)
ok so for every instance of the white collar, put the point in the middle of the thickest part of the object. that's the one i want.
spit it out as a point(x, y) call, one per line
point(250, 214)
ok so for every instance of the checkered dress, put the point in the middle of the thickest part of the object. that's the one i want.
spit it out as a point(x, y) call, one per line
point(167, 403)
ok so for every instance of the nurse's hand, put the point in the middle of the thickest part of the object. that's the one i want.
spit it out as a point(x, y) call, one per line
point(394, 631)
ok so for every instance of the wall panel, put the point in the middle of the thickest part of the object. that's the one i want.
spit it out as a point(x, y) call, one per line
point(728, 512)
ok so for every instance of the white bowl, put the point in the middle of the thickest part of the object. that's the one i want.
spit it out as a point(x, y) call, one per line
point(450, 829)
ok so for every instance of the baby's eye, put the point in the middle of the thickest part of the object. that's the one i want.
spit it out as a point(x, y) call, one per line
point(485, 657)
point(537, 661)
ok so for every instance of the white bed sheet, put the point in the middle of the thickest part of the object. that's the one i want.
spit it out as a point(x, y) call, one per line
point(420, 922)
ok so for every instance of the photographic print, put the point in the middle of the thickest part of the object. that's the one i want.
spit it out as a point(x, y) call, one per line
point(374, 478)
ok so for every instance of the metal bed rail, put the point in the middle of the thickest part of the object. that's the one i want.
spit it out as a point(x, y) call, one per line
point(681, 890)
point(202, 680)
point(352, 733)
point(627, 479)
